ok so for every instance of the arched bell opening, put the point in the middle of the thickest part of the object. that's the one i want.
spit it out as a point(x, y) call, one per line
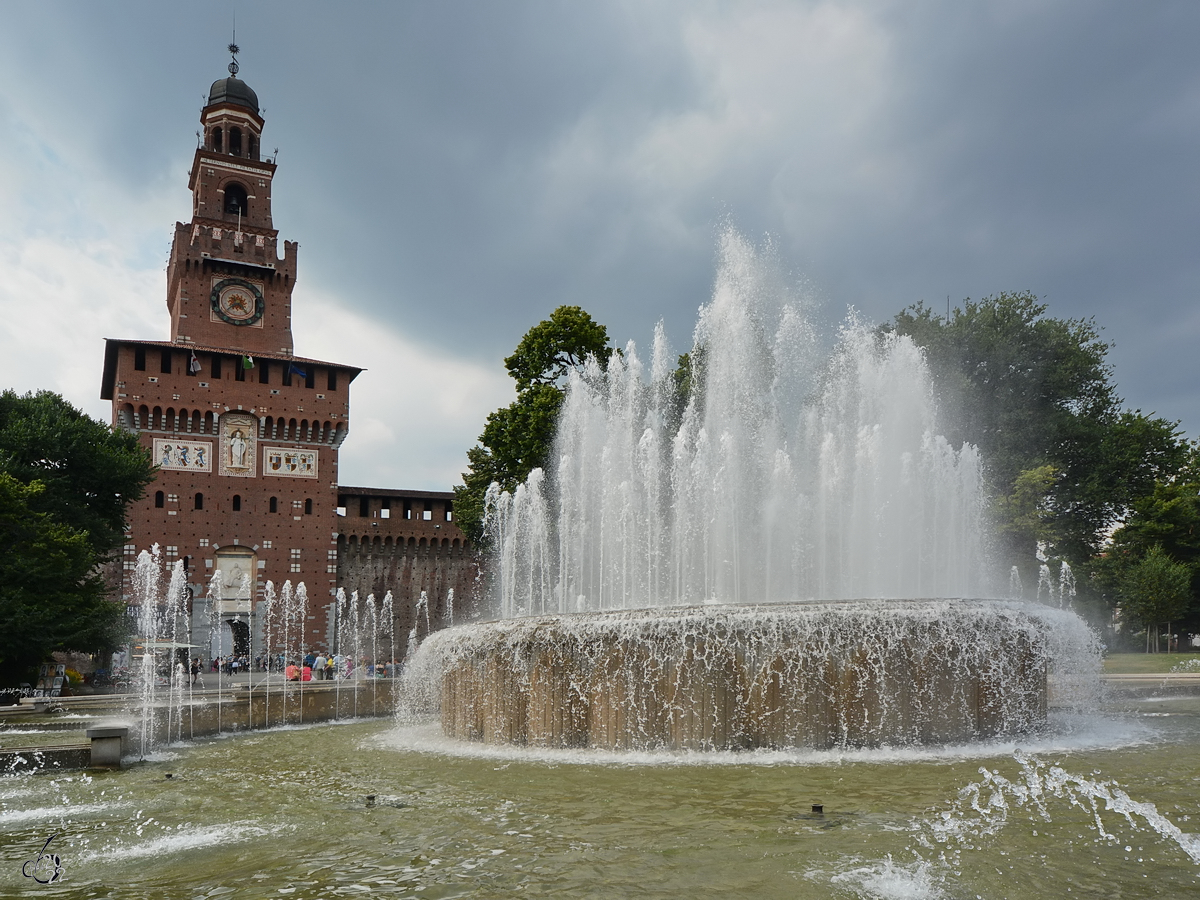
point(236, 200)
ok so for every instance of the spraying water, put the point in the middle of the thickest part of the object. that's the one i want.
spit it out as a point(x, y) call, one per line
point(301, 612)
point(174, 625)
point(350, 638)
point(1045, 591)
point(147, 579)
point(389, 624)
point(789, 474)
point(1040, 793)
point(1016, 590)
point(162, 622)
point(372, 626)
point(342, 618)
point(270, 624)
point(216, 636)
point(704, 540)
point(1066, 585)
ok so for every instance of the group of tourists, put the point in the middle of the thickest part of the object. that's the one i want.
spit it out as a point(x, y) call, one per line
point(317, 666)
point(231, 665)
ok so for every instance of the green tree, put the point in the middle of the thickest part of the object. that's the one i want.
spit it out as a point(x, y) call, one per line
point(555, 346)
point(52, 596)
point(518, 438)
point(89, 472)
point(1154, 591)
point(1167, 519)
point(1035, 394)
point(66, 481)
point(1109, 464)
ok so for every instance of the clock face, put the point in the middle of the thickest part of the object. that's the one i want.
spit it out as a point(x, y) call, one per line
point(237, 302)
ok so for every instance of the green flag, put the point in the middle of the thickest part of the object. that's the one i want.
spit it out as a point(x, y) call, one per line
point(247, 362)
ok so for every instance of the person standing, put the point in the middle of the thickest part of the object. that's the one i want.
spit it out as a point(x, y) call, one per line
point(319, 667)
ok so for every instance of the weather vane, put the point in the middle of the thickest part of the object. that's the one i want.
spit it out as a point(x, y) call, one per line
point(233, 66)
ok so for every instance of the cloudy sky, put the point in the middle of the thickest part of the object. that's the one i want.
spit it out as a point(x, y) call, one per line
point(454, 171)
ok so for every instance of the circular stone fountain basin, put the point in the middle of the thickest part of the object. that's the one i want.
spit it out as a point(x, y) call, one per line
point(818, 675)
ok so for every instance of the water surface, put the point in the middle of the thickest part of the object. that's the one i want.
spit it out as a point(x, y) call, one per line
point(284, 814)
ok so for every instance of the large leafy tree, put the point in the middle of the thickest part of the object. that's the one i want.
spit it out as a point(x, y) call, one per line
point(66, 481)
point(518, 438)
point(52, 596)
point(1035, 393)
point(89, 472)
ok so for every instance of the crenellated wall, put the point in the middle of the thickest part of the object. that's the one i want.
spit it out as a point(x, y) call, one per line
point(406, 542)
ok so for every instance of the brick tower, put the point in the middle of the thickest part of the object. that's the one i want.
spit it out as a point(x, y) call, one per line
point(246, 434)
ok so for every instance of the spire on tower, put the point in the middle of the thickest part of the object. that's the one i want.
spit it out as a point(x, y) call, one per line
point(234, 49)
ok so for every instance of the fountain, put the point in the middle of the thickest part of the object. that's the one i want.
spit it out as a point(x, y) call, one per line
point(690, 572)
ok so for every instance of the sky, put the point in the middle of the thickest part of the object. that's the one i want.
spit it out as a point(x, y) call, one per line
point(453, 171)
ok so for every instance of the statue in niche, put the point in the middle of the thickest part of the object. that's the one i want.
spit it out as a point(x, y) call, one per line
point(236, 453)
point(237, 449)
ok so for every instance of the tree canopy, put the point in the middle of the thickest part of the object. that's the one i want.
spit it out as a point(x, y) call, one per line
point(518, 438)
point(89, 472)
point(66, 481)
point(556, 345)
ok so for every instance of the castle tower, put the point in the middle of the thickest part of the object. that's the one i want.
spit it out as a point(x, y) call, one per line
point(246, 434)
point(225, 284)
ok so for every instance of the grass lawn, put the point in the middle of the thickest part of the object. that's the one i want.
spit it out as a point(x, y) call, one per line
point(1148, 663)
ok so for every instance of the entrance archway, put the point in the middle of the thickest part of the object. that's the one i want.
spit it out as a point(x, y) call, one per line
point(241, 636)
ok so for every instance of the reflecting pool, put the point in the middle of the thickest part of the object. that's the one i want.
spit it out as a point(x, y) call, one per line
point(286, 814)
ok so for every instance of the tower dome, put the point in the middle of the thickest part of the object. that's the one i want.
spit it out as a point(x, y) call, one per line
point(233, 90)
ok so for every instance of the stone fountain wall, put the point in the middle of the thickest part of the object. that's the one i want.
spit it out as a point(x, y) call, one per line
point(167, 720)
point(824, 675)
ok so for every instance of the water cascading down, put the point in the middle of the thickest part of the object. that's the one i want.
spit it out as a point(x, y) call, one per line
point(691, 571)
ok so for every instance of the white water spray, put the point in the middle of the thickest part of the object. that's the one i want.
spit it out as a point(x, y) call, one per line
point(790, 475)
